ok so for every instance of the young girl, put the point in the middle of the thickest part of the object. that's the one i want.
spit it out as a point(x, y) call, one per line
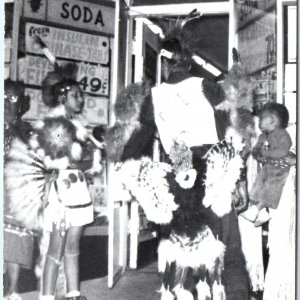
point(273, 145)
point(68, 204)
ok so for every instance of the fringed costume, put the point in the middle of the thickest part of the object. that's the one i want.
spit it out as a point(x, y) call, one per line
point(190, 196)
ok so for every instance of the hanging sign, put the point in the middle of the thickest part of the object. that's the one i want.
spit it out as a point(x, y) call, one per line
point(257, 43)
point(93, 79)
point(64, 43)
point(248, 10)
point(95, 110)
point(75, 13)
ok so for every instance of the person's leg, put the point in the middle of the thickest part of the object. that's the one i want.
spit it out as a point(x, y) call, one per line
point(13, 272)
point(71, 260)
point(53, 259)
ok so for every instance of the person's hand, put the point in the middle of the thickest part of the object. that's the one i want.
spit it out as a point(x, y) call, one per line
point(291, 159)
point(258, 155)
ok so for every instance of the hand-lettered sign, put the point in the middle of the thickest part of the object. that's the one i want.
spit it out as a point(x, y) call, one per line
point(64, 43)
point(95, 110)
point(93, 79)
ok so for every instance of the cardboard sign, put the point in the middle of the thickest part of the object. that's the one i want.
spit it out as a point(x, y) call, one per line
point(68, 44)
point(38, 109)
point(257, 43)
point(75, 13)
point(95, 110)
point(82, 14)
point(93, 79)
point(248, 10)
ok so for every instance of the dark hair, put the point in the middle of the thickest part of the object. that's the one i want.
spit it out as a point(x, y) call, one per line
point(279, 110)
point(58, 82)
point(174, 46)
point(17, 88)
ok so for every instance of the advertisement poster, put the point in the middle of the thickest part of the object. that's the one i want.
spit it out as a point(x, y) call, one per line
point(249, 10)
point(257, 43)
point(69, 44)
point(93, 79)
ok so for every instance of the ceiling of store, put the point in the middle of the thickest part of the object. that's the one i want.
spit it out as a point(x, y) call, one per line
point(207, 36)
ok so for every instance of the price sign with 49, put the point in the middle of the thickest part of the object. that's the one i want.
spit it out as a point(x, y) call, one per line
point(94, 85)
point(96, 82)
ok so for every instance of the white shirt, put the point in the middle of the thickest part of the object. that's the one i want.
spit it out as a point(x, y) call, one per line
point(182, 112)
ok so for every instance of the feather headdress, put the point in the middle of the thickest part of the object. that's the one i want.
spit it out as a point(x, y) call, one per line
point(127, 110)
point(237, 87)
point(238, 102)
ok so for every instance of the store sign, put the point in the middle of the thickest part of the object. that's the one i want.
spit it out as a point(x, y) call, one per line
point(257, 43)
point(75, 13)
point(69, 44)
point(248, 10)
point(93, 79)
point(38, 110)
point(82, 14)
point(95, 110)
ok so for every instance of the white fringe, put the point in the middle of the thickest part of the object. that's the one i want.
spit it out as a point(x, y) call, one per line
point(183, 294)
point(203, 290)
point(166, 294)
point(218, 291)
point(204, 251)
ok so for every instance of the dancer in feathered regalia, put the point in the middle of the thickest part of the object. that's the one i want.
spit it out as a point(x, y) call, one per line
point(52, 186)
point(190, 194)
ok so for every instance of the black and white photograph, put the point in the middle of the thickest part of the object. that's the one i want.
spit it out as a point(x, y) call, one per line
point(149, 149)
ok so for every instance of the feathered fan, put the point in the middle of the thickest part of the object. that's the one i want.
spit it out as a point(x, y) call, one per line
point(51, 146)
point(25, 178)
point(224, 166)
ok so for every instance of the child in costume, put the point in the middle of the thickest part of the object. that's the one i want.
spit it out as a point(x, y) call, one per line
point(68, 207)
point(273, 144)
point(48, 175)
point(18, 240)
